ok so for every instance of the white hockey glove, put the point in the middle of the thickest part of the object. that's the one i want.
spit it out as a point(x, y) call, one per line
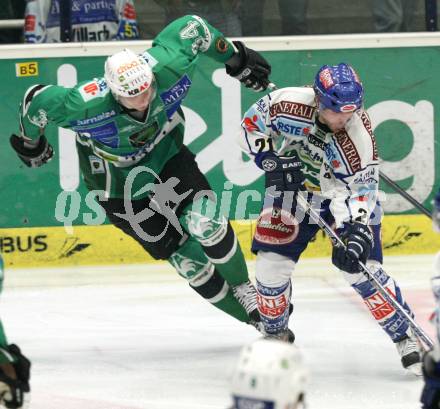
point(14, 378)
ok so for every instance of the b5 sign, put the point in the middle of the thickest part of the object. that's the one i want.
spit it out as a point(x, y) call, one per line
point(26, 69)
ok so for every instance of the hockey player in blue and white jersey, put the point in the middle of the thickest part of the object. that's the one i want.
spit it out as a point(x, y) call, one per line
point(90, 20)
point(320, 138)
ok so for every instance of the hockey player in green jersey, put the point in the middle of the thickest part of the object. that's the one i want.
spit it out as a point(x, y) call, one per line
point(129, 129)
point(14, 369)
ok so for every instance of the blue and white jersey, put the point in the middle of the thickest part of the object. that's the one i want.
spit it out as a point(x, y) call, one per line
point(341, 166)
point(92, 20)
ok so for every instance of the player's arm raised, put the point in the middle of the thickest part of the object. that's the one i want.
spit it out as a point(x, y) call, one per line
point(194, 36)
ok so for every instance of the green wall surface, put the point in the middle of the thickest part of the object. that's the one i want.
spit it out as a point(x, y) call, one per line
point(401, 95)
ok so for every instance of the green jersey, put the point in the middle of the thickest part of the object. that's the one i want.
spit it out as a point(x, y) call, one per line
point(110, 141)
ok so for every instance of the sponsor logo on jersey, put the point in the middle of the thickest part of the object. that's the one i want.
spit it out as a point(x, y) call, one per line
point(106, 134)
point(336, 164)
point(91, 88)
point(276, 226)
point(290, 128)
point(367, 124)
point(312, 139)
point(173, 96)
point(89, 91)
point(261, 106)
point(325, 77)
point(366, 177)
point(350, 151)
point(314, 154)
point(362, 199)
point(94, 119)
point(102, 85)
point(293, 109)
point(250, 125)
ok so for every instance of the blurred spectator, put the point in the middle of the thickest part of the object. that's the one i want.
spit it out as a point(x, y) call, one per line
point(11, 9)
point(251, 13)
point(222, 14)
point(292, 14)
point(394, 15)
point(53, 21)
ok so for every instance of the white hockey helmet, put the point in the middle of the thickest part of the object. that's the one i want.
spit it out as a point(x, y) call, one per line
point(270, 374)
point(127, 74)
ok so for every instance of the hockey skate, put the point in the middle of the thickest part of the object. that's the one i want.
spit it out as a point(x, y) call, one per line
point(409, 349)
point(246, 294)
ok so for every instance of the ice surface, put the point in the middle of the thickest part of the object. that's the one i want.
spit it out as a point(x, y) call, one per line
point(132, 337)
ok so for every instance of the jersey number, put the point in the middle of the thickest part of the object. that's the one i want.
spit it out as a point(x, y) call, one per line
point(261, 143)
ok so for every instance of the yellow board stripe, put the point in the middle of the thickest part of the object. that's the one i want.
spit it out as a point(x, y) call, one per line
point(94, 245)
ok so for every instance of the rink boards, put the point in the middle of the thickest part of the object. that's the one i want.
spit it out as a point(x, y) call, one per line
point(93, 245)
point(402, 104)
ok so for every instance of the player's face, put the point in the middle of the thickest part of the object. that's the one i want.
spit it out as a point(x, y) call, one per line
point(334, 120)
point(139, 102)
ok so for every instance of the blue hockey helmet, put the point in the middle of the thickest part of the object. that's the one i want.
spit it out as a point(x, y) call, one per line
point(339, 88)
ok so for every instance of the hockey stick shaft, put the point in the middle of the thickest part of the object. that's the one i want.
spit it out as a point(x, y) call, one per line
point(307, 208)
point(405, 195)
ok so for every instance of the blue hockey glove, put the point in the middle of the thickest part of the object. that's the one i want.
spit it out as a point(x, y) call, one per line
point(282, 172)
point(431, 391)
point(32, 156)
point(14, 377)
point(358, 241)
point(249, 67)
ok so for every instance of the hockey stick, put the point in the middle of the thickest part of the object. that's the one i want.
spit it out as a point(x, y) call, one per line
point(307, 208)
point(405, 195)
